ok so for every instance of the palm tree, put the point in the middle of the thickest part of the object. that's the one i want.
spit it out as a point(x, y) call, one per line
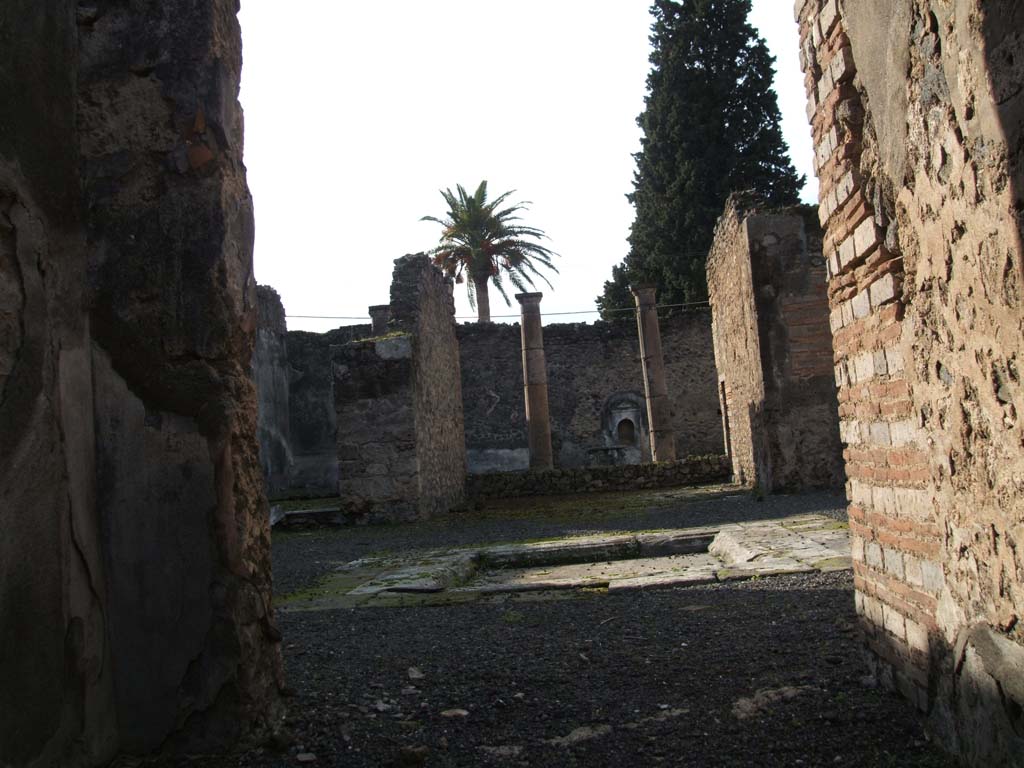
point(485, 241)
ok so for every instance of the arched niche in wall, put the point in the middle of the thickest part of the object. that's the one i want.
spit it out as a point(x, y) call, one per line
point(624, 429)
point(625, 433)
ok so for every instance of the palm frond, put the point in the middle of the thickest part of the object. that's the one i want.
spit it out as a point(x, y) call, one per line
point(496, 279)
point(487, 239)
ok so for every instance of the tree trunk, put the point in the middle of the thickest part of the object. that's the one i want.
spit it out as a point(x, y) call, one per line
point(483, 300)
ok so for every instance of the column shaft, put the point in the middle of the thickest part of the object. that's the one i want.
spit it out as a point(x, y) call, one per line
point(535, 383)
point(659, 407)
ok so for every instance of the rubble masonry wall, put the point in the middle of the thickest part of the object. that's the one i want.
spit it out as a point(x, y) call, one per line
point(312, 425)
point(398, 402)
point(588, 367)
point(440, 429)
point(271, 372)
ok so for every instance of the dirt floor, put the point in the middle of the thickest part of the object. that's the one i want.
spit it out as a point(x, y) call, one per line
point(764, 672)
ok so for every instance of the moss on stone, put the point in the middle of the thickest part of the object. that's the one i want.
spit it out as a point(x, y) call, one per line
point(385, 337)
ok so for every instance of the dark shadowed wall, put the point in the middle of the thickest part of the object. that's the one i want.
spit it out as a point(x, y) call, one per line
point(272, 373)
point(134, 566)
point(312, 427)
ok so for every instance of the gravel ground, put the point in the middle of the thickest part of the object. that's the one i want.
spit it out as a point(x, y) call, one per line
point(766, 672)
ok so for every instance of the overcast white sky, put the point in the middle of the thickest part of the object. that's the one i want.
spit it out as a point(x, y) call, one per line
point(357, 113)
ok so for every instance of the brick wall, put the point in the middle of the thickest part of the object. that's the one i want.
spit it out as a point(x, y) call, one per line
point(773, 349)
point(916, 111)
point(594, 380)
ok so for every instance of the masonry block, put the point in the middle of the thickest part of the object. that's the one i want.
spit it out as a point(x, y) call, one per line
point(828, 16)
point(883, 290)
point(861, 305)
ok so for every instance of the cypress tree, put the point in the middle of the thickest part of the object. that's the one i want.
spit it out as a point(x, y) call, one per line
point(710, 127)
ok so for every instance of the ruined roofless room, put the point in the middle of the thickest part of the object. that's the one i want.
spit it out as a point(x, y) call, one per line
point(535, 385)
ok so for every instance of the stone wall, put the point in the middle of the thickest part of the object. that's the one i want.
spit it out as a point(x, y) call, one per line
point(270, 369)
point(437, 378)
point(47, 472)
point(773, 348)
point(378, 479)
point(595, 382)
point(916, 109)
point(737, 346)
point(630, 477)
point(134, 565)
point(398, 400)
point(312, 422)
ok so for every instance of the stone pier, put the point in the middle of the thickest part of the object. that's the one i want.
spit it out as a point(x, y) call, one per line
point(659, 407)
point(380, 316)
point(135, 589)
point(401, 452)
point(773, 349)
point(535, 382)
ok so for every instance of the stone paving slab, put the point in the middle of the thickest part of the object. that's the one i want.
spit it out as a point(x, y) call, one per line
point(598, 547)
point(430, 575)
point(612, 575)
point(696, 569)
point(616, 562)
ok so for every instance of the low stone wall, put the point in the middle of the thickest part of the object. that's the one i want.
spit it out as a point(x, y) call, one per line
point(694, 470)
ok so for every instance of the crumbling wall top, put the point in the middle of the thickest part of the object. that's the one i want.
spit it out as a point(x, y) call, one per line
point(407, 282)
point(270, 310)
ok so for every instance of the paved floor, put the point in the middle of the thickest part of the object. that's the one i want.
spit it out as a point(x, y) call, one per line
point(611, 562)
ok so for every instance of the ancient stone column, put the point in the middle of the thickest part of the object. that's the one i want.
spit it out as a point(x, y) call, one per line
point(535, 382)
point(380, 316)
point(659, 408)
